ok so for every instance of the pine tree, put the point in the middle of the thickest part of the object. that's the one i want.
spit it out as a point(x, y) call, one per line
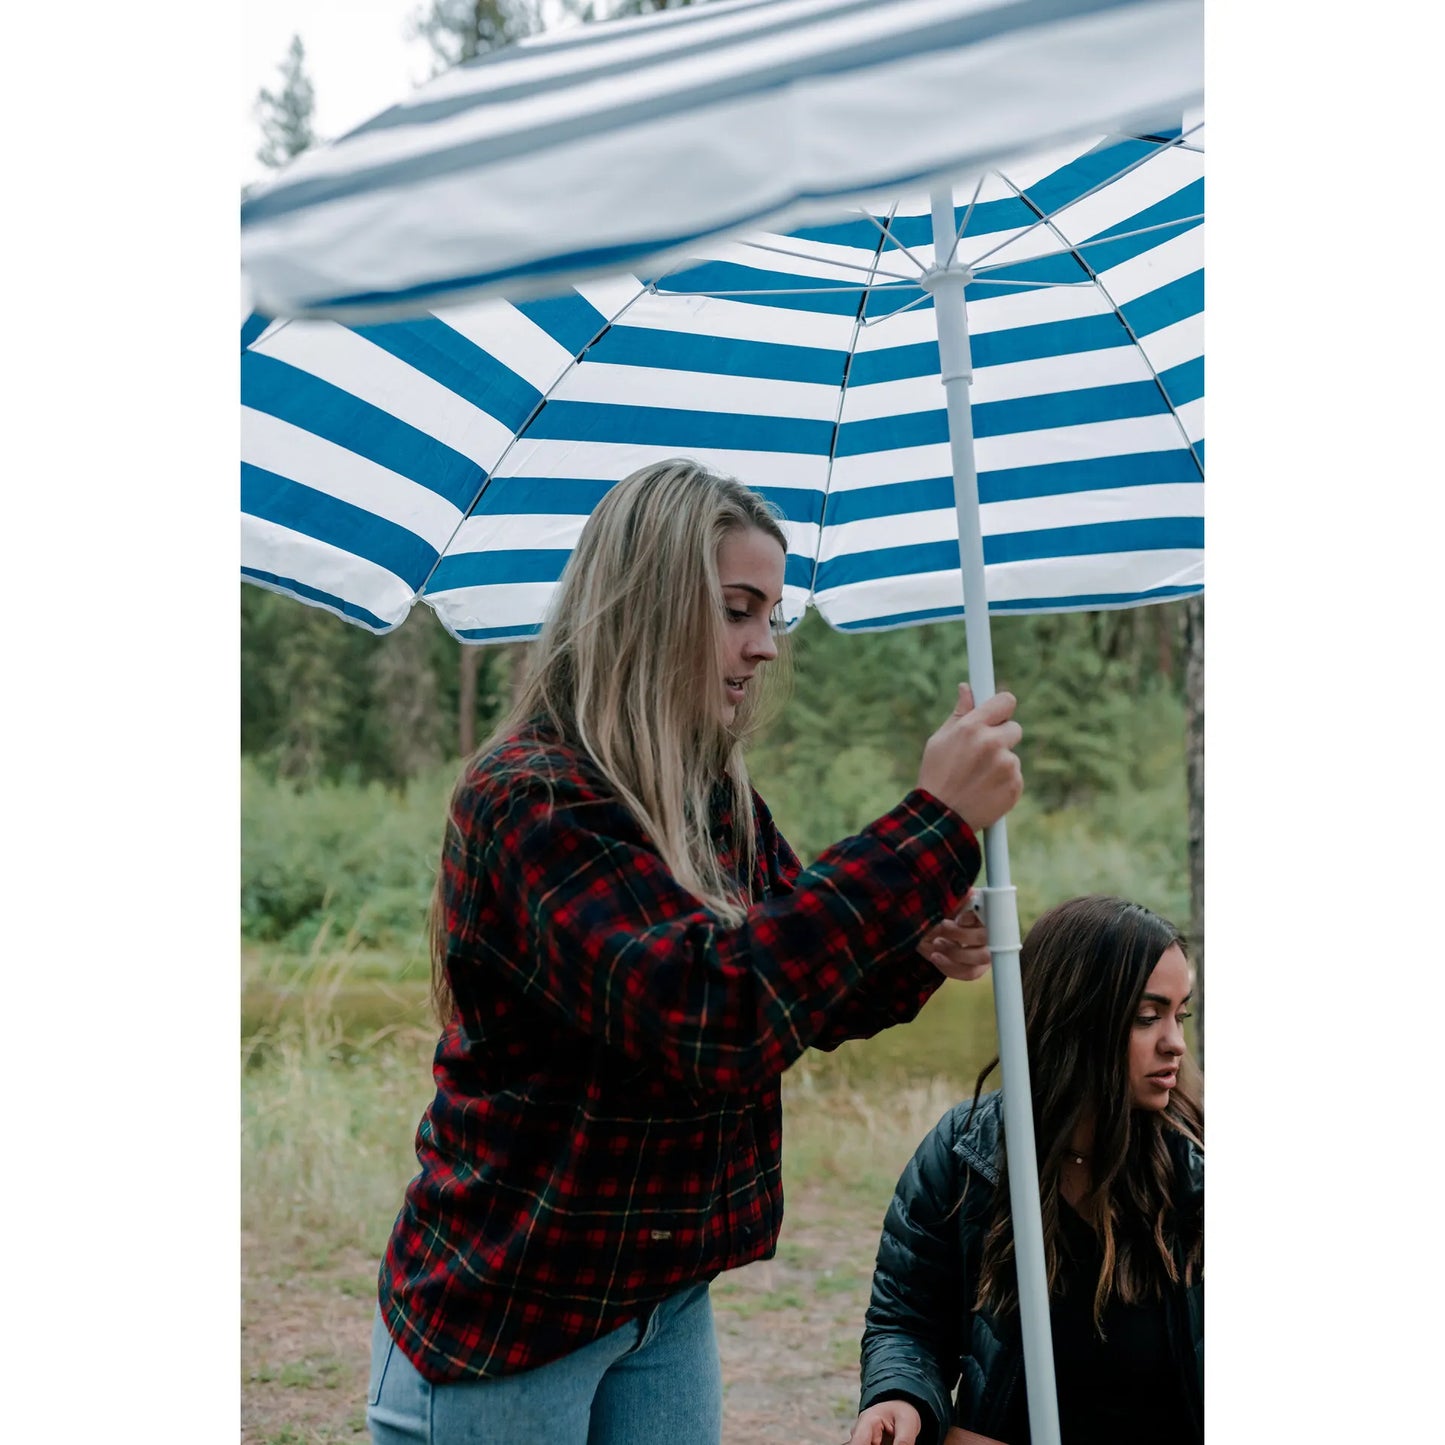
point(460, 30)
point(285, 115)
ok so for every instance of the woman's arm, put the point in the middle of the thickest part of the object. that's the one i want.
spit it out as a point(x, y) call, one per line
point(889, 995)
point(613, 944)
point(912, 1338)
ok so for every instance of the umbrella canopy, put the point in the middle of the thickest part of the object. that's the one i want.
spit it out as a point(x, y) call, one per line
point(455, 457)
point(607, 147)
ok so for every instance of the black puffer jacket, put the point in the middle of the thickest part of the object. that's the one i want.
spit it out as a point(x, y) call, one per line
point(922, 1334)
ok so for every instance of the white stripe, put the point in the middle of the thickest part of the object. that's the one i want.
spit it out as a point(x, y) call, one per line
point(611, 295)
point(740, 321)
point(509, 604)
point(1016, 449)
point(1025, 514)
point(1151, 183)
point(1158, 266)
point(1112, 574)
point(559, 531)
point(608, 461)
point(711, 392)
point(842, 265)
point(1176, 344)
point(349, 361)
point(524, 604)
point(1033, 307)
point(269, 547)
point(1191, 417)
point(1045, 376)
point(289, 451)
point(1124, 437)
point(511, 338)
point(518, 532)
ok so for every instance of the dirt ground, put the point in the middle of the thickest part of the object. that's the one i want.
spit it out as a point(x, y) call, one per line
point(788, 1332)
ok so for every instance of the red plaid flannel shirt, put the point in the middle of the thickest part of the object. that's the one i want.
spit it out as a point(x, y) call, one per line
point(607, 1121)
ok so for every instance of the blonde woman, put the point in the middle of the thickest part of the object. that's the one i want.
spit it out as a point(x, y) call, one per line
point(626, 956)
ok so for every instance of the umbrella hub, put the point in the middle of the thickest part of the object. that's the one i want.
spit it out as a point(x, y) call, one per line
point(955, 273)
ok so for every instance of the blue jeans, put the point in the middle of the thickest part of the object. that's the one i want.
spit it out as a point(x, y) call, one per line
point(655, 1378)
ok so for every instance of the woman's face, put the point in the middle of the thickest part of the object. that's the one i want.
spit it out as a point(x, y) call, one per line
point(750, 568)
point(1156, 1041)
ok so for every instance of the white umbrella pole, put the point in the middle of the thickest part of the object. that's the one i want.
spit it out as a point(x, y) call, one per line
point(1000, 898)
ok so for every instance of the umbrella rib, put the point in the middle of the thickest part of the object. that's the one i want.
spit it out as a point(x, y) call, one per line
point(897, 311)
point(1122, 319)
point(1032, 285)
point(1097, 241)
point(798, 291)
point(859, 321)
point(963, 224)
point(1045, 218)
point(889, 236)
point(517, 435)
point(823, 261)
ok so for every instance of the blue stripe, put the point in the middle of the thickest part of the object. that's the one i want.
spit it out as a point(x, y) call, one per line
point(498, 634)
point(327, 519)
point(1099, 255)
point(803, 293)
point(1102, 163)
point(448, 357)
point(989, 218)
point(570, 320)
point(931, 494)
point(1157, 309)
point(1079, 603)
point(1131, 469)
point(1154, 534)
point(1185, 382)
point(1185, 202)
point(492, 569)
point(316, 406)
point(1004, 418)
point(994, 348)
point(797, 504)
point(587, 421)
point(578, 497)
point(541, 496)
point(1061, 270)
point(252, 327)
point(303, 593)
point(719, 355)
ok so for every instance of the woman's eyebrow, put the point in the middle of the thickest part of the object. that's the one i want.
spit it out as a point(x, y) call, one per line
point(751, 591)
point(1163, 1001)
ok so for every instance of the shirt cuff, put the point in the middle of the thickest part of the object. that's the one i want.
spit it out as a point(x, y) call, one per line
point(936, 843)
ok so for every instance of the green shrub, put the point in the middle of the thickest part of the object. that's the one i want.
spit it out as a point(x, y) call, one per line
point(360, 856)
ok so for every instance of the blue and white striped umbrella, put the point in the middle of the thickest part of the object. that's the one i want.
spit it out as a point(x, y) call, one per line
point(608, 147)
point(455, 457)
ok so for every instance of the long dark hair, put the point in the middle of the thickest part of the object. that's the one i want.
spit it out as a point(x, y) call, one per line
point(1084, 966)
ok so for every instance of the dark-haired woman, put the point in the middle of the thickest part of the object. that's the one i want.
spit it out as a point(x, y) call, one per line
point(626, 957)
point(1119, 1129)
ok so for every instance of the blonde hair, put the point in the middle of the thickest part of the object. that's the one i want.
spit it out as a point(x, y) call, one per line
point(626, 670)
